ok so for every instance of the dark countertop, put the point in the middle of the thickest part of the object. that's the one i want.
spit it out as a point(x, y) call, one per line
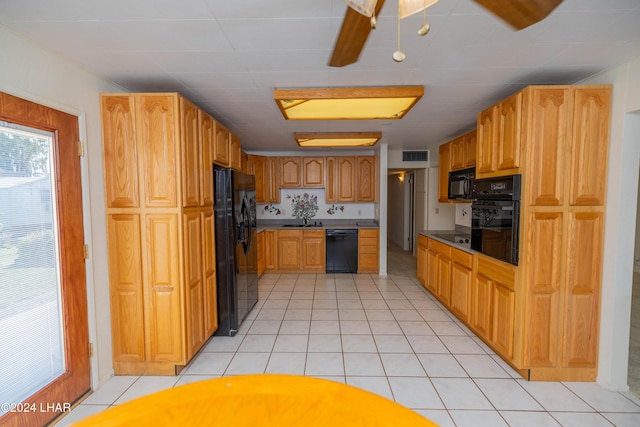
point(316, 225)
point(452, 237)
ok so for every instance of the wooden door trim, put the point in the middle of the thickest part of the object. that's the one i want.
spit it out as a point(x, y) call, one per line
point(76, 381)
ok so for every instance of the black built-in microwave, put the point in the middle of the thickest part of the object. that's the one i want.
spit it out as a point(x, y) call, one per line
point(495, 217)
point(460, 183)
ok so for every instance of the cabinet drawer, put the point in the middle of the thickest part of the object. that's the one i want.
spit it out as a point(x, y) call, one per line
point(289, 233)
point(367, 249)
point(462, 258)
point(313, 233)
point(440, 247)
point(365, 233)
point(423, 241)
point(368, 262)
point(368, 241)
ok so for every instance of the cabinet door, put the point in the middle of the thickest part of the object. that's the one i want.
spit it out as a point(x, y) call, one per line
point(235, 152)
point(421, 259)
point(262, 265)
point(190, 148)
point(209, 273)
point(313, 251)
point(509, 132)
point(290, 172)
point(457, 153)
point(126, 288)
point(163, 301)
point(332, 180)
point(469, 150)
point(589, 147)
point(346, 179)
point(503, 313)
point(487, 141)
point(313, 172)
point(481, 306)
point(582, 303)
point(221, 150)
point(289, 249)
point(272, 178)
point(207, 138)
point(547, 142)
point(194, 288)
point(461, 279)
point(432, 271)
point(271, 250)
point(366, 179)
point(444, 278)
point(443, 172)
point(258, 167)
point(245, 164)
point(120, 153)
point(158, 143)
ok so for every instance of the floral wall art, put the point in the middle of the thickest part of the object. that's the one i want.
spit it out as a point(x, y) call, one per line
point(295, 204)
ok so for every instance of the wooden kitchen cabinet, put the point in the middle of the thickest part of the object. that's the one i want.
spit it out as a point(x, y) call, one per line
point(265, 169)
point(162, 282)
point(270, 250)
point(290, 172)
point(463, 151)
point(331, 187)
point(346, 185)
point(368, 250)
point(541, 316)
point(461, 283)
point(487, 141)
point(235, 152)
point(289, 250)
point(207, 142)
point(442, 265)
point(312, 172)
point(221, 148)
point(456, 153)
point(313, 251)
point(421, 258)
point(262, 265)
point(366, 179)
point(444, 167)
point(469, 149)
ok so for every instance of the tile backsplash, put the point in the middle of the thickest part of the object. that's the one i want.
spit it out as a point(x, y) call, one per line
point(283, 210)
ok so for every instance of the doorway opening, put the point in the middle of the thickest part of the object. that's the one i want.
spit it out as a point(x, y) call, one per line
point(401, 222)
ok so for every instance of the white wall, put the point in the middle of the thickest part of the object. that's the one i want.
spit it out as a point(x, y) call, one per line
point(441, 216)
point(622, 190)
point(40, 76)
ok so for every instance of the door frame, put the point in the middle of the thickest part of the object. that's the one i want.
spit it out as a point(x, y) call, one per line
point(76, 381)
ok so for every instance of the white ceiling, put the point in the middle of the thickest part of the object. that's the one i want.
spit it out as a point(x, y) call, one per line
point(228, 56)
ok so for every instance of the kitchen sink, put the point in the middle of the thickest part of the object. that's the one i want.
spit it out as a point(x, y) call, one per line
point(302, 225)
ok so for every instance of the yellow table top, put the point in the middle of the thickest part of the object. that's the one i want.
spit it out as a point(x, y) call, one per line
point(260, 400)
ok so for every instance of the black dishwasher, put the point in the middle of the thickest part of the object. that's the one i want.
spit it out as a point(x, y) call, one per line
point(342, 251)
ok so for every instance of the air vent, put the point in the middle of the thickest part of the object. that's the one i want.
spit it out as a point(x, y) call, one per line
point(415, 156)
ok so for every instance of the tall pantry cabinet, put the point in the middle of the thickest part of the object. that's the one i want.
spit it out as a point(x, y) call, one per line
point(158, 150)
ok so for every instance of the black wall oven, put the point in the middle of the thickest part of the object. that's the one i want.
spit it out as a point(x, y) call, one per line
point(495, 217)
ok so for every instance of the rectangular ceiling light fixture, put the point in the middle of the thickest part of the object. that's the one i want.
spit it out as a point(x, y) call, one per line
point(347, 103)
point(338, 139)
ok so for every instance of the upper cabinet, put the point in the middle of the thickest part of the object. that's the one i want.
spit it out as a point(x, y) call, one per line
point(291, 172)
point(499, 138)
point(312, 172)
point(366, 179)
point(221, 146)
point(302, 172)
point(266, 174)
point(227, 151)
point(444, 166)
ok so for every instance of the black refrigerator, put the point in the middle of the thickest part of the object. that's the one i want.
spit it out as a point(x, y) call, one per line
point(236, 247)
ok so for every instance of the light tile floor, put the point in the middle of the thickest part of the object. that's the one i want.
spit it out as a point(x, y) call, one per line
point(387, 335)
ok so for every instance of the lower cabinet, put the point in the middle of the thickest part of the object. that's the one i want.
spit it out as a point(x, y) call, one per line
point(301, 250)
point(261, 254)
point(461, 281)
point(421, 255)
point(368, 251)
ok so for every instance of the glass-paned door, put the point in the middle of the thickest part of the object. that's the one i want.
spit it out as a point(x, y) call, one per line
point(44, 339)
point(31, 333)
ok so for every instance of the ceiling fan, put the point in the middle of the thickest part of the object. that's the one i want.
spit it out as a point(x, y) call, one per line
point(356, 26)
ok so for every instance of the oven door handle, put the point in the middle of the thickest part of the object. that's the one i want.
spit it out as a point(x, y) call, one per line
point(492, 208)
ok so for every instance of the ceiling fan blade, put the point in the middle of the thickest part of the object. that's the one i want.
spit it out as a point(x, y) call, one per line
point(353, 35)
point(520, 13)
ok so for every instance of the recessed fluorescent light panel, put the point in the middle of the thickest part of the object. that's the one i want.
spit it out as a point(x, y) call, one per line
point(347, 103)
point(337, 139)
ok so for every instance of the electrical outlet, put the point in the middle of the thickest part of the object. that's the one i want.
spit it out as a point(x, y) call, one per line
point(437, 210)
